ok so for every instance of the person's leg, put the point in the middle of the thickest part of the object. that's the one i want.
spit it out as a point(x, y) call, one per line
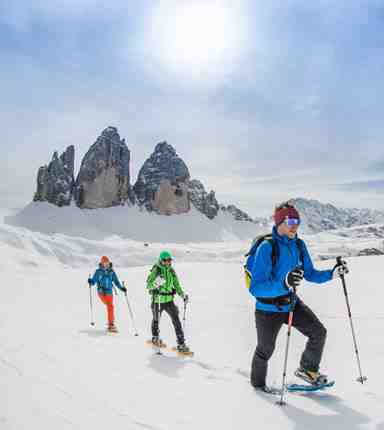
point(155, 318)
point(173, 312)
point(268, 325)
point(107, 299)
point(310, 326)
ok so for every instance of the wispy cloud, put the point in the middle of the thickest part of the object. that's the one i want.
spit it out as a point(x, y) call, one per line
point(304, 96)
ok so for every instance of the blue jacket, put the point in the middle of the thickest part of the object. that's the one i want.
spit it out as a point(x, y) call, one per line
point(105, 278)
point(268, 281)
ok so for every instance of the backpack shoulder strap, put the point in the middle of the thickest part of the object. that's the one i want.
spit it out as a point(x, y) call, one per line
point(275, 249)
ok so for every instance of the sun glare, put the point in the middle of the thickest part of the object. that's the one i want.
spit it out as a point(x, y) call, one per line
point(196, 39)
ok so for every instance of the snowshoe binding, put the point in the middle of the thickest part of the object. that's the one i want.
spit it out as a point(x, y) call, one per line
point(183, 349)
point(156, 341)
point(313, 378)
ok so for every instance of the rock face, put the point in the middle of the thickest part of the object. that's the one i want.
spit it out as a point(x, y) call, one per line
point(204, 202)
point(162, 183)
point(55, 182)
point(237, 214)
point(370, 251)
point(317, 217)
point(104, 177)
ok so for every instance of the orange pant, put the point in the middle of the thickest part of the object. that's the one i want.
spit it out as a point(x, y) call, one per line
point(107, 299)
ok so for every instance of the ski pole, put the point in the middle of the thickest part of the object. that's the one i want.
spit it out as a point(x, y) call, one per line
point(130, 312)
point(281, 402)
point(361, 378)
point(158, 326)
point(184, 318)
point(91, 304)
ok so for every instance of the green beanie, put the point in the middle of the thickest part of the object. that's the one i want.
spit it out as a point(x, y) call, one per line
point(164, 255)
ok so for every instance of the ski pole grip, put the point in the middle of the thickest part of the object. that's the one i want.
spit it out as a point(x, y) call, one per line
point(339, 260)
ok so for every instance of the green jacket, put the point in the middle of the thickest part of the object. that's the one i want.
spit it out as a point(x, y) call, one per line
point(165, 278)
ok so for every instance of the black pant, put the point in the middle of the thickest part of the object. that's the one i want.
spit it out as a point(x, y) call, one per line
point(171, 309)
point(268, 325)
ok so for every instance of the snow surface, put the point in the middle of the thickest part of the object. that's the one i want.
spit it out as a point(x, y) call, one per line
point(131, 222)
point(57, 372)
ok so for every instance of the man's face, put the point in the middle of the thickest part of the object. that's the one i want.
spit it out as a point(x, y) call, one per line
point(289, 228)
point(167, 261)
point(105, 264)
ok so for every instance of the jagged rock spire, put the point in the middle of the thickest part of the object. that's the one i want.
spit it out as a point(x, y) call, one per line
point(55, 182)
point(104, 176)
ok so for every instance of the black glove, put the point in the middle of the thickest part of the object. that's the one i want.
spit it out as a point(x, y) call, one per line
point(123, 289)
point(340, 269)
point(90, 282)
point(293, 278)
point(186, 298)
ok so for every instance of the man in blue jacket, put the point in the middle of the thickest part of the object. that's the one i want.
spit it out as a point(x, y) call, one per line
point(279, 267)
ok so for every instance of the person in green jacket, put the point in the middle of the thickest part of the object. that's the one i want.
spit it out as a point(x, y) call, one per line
point(163, 284)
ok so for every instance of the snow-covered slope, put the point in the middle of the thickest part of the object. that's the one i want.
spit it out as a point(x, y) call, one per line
point(27, 248)
point(130, 222)
point(57, 372)
point(317, 216)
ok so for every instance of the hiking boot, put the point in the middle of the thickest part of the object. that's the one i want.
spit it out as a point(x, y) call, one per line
point(158, 342)
point(112, 328)
point(182, 347)
point(310, 376)
point(267, 390)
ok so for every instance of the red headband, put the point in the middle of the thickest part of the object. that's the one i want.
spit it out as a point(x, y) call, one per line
point(287, 212)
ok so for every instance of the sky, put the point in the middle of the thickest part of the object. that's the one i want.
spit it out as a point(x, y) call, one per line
point(263, 100)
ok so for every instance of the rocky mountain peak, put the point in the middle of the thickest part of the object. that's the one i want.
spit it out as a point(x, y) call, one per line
point(55, 181)
point(162, 182)
point(104, 176)
point(317, 216)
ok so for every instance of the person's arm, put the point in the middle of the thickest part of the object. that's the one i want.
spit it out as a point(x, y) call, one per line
point(93, 280)
point(152, 278)
point(310, 273)
point(177, 285)
point(263, 283)
point(116, 281)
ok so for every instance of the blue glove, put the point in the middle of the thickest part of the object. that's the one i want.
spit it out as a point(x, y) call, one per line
point(89, 281)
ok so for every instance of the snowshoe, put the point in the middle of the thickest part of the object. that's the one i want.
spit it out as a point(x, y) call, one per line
point(309, 387)
point(313, 378)
point(183, 349)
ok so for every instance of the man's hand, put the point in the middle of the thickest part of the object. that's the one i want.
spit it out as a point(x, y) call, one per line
point(340, 269)
point(186, 298)
point(294, 278)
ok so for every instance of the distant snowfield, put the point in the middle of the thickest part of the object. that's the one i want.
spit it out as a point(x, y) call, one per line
point(132, 238)
point(130, 222)
point(57, 372)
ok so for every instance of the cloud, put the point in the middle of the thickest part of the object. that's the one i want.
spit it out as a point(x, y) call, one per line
point(305, 94)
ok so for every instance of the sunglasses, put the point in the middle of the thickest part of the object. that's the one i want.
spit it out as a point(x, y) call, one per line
point(167, 260)
point(291, 221)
